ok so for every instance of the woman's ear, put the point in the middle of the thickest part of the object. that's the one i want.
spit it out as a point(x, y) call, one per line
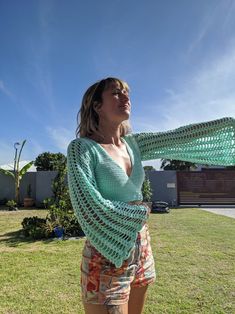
point(97, 107)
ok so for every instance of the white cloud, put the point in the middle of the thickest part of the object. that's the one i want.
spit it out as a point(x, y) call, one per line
point(206, 94)
point(6, 153)
point(154, 163)
point(201, 34)
point(39, 60)
point(10, 166)
point(229, 7)
point(42, 81)
point(30, 151)
point(61, 137)
point(5, 90)
point(141, 124)
point(219, 16)
point(35, 147)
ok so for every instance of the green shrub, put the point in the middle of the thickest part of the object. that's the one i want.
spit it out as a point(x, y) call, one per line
point(40, 228)
point(34, 227)
point(65, 218)
point(48, 202)
point(60, 213)
point(71, 225)
point(146, 190)
point(11, 204)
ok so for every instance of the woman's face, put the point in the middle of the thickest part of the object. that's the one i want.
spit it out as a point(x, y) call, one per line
point(116, 106)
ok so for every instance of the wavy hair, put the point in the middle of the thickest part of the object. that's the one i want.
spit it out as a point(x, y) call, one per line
point(87, 117)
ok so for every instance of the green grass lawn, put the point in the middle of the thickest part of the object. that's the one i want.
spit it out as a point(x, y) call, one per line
point(194, 253)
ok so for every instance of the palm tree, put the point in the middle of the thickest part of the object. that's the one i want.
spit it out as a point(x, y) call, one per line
point(171, 164)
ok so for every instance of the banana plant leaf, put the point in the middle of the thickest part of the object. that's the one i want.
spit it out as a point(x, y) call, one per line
point(8, 173)
point(25, 168)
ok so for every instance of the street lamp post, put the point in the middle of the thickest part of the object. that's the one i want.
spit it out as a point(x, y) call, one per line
point(15, 146)
point(16, 173)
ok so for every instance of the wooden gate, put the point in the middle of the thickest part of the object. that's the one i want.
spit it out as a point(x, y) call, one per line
point(206, 187)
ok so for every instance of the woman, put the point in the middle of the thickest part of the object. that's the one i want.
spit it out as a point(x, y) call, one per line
point(105, 176)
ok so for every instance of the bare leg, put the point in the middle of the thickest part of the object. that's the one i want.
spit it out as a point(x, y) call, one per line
point(136, 300)
point(105, 309)
point(118, 309)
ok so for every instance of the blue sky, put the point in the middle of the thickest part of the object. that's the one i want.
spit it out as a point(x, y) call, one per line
point(177, 56)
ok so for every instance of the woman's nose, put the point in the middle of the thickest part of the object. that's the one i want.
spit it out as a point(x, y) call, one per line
point(125, 96)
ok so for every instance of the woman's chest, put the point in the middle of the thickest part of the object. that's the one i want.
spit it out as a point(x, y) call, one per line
point(120, 156)
point(113, 183)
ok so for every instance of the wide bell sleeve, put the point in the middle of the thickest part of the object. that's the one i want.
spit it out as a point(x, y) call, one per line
point(110, 226)
point(211, 143)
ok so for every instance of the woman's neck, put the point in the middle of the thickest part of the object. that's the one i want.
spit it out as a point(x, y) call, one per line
point(111, 134)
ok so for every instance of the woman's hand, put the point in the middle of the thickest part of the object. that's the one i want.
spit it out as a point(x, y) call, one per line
point(149, 209)
point(142, 204)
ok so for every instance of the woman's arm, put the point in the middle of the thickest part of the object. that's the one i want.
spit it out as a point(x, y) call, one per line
point(111, 226)
point(210, 142)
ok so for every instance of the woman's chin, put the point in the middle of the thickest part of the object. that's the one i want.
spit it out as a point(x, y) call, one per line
point(126, 114)
point(122, 117)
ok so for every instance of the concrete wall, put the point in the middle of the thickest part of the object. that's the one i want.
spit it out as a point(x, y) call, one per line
point(28, 178)
point(163, 184)
point(40, 186)
point(6, 187)
point(43, 185)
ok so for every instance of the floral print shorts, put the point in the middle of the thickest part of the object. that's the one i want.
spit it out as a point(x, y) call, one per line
point(103, 283)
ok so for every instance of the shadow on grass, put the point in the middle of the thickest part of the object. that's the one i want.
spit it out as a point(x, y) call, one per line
point(16, 238)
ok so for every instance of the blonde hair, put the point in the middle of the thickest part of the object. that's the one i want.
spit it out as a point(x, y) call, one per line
point(87, 117)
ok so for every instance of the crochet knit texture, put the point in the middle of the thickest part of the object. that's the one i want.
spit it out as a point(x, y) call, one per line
point(100, 189)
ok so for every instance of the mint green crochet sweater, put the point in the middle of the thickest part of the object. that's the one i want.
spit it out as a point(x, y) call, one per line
point(100, 189)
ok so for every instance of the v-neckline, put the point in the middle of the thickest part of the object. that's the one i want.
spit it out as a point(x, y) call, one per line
point(114, 161)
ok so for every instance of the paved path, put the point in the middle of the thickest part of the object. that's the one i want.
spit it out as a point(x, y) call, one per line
point(225, 211)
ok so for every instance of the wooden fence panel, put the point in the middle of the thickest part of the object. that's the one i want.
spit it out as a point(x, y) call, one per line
point(206, 187)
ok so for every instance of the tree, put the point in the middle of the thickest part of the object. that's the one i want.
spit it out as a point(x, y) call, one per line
point(230, 167)
point(17, 173)
point(149, 168)
point(58, 162)
point(147, 190)
point(172, 164)
point(49, 161)
point(59, 186)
